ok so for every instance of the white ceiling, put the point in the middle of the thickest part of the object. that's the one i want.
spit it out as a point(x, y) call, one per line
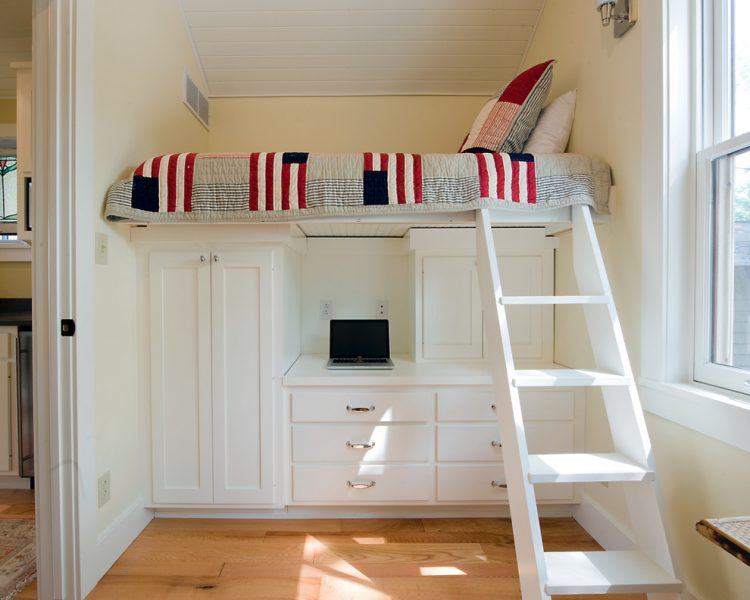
point(15, 41)
point(359, 47)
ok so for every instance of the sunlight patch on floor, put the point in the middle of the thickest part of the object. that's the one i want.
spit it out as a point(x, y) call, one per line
point(440, 571)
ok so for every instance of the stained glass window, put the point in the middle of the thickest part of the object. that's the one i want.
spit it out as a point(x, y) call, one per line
point(8, 189)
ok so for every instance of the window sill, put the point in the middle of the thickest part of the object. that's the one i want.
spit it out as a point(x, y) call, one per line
point(720, 414)
point(15, 251)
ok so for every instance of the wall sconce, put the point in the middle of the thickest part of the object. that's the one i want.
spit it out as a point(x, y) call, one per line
point(623, 12)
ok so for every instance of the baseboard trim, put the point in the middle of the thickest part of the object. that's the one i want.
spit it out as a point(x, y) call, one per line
point(599, 523)
point(13, 482)
point(362, 512)
point(114, 540)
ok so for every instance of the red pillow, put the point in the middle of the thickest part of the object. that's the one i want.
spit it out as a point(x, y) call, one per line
point(506, 121)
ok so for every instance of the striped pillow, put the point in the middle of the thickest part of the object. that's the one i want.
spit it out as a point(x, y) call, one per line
point(506, 121)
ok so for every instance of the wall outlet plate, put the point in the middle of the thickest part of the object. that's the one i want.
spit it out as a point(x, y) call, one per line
point(101, 247)
point(105, 488)
point(326, 309)
point(382, 308)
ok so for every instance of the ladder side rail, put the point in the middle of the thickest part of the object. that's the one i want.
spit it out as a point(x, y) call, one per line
point(624, 411)
point(521, 497)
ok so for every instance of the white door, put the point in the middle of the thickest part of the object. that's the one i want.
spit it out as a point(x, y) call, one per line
point(180, 307)
point(242, 387)
point(451, 310)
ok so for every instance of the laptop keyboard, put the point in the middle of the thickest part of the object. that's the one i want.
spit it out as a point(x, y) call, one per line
point(359, 361)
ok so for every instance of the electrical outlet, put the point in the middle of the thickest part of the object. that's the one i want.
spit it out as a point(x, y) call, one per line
point(326, 309)
point(383, 308)
point(101, 246)
point(105, 489)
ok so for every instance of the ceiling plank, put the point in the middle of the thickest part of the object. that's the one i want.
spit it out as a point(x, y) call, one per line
point(241, 5)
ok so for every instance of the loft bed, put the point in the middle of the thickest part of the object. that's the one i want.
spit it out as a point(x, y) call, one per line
point(428, 189)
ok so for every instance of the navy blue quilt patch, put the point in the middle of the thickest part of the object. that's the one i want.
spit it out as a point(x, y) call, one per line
point(145, 193)
point(375, 187)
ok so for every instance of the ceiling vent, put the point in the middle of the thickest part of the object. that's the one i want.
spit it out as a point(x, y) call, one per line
point(195, 100)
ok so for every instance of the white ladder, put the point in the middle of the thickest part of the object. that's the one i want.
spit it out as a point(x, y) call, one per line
point(648, 569)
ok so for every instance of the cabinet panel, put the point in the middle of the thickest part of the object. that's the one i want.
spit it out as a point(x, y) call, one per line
point(459, 483)
point(451, 309)
point(241, 382)
point(342, 406)
point(180, 309)
point(393, 483)
point(473, 443)
point(360, 442)
point(476, 405)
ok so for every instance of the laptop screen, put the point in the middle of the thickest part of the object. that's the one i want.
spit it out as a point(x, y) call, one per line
point(352, 338)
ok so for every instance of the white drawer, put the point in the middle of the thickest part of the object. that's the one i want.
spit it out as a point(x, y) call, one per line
point(473, 443)
point(460, 483)
point(330, 483)
point(5, 340)
point(476, 405)
point(339, 443)
point(343, 406)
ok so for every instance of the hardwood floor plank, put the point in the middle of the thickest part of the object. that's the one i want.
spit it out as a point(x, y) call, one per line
point(332, 559)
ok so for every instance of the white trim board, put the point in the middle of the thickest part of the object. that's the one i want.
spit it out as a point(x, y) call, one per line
point(115, 539)
point(364, 512)
point(719, 414)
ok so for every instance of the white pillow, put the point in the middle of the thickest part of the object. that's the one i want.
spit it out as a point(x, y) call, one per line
point(550, 136)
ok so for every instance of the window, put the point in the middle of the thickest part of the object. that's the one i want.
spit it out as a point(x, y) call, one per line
point(8, 194)
point(722, 348)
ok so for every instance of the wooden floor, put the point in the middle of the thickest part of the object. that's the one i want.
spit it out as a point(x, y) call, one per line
point(418, 559)
point(19, 504)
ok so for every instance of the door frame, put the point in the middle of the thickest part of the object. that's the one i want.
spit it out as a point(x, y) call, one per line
point(66, 510)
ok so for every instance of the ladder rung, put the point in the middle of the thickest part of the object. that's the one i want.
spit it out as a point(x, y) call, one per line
point(507, 300)
point(612, 572)
point(585, 468)
point(567, 378)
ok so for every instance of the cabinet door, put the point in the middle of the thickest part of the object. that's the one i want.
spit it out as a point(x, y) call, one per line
point(180, 307)
point(451, 309)
point(242, 391)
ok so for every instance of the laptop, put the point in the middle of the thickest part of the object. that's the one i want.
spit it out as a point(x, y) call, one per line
point(359, 344)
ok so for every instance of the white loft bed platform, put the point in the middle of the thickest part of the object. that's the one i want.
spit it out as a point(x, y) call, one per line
point(553, 220)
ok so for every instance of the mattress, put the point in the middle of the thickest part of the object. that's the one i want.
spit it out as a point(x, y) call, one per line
point(289, 186)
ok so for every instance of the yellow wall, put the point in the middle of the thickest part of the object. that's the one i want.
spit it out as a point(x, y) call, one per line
point(700, 477)
point(138, 112)
point(7, 110)
point(15, 280)
point(342, 124)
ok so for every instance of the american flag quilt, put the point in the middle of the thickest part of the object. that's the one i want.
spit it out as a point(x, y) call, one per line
point(285, 186)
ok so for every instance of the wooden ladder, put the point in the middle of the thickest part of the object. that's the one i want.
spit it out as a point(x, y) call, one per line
point(648, 569)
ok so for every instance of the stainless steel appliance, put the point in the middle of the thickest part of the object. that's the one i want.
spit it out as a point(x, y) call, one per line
point(25, 403)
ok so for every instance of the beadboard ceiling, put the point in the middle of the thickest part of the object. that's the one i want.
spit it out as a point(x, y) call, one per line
point(15, 41)
point(359, 47)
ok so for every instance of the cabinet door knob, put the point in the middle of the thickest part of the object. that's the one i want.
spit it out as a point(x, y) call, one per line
point(360, 485)
point(493, 407)
point(496, 444)
point(216, 258)
point(203, 258)
point(360, 445)
point(499, 484)
point(360, 409)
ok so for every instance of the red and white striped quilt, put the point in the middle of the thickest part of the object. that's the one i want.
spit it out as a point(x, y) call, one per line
point(285, 186)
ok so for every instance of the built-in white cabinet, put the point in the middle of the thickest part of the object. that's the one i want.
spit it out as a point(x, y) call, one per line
point(448, 310)
point(211, 391)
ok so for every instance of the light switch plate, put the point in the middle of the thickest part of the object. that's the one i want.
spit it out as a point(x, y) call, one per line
point(101, 248)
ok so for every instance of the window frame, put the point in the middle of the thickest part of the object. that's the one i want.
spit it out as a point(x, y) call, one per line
point(715, 140)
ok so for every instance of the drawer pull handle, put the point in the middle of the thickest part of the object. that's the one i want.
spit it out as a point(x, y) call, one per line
point(360, 485)
point(360, 445)
point(498, 484)
point(496, 444)
point(360, 409)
